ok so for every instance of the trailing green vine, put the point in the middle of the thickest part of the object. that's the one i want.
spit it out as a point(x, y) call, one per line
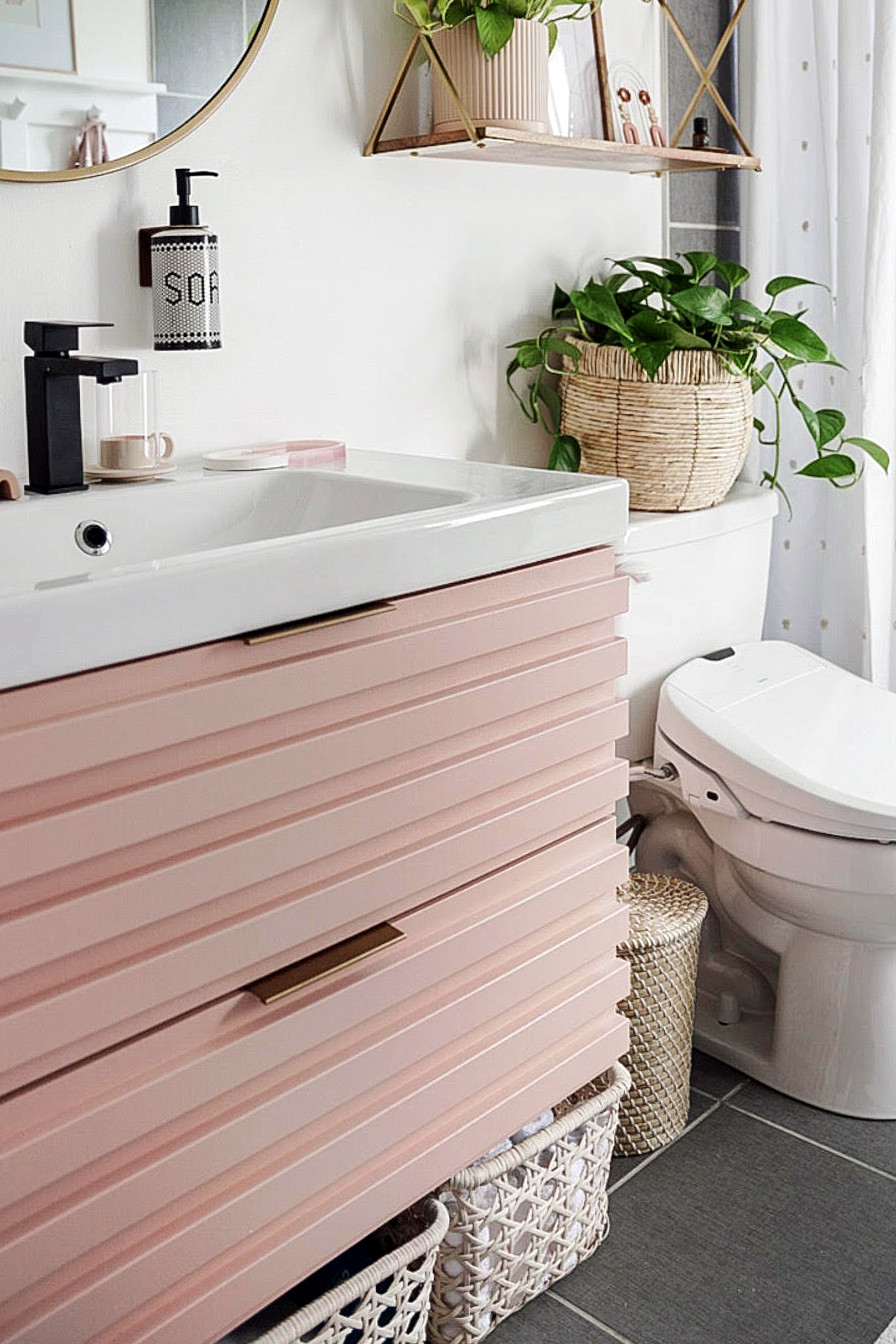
point(652, 306)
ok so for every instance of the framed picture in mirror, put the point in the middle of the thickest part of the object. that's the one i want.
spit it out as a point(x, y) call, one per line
point(37, 35)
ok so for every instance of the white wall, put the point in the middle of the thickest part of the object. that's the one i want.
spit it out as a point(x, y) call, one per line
point(364, 299)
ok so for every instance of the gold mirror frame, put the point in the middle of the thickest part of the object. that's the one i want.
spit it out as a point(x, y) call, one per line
point(172, 138)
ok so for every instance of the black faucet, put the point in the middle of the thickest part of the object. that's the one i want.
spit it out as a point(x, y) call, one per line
point(53, 402)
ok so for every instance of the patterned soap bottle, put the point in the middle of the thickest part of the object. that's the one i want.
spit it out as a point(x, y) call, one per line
point(185, 294)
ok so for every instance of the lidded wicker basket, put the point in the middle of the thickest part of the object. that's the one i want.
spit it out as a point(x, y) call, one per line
point(665, 919)
point(680, 441)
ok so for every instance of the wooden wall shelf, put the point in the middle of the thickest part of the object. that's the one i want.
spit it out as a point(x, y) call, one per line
point(506, 146)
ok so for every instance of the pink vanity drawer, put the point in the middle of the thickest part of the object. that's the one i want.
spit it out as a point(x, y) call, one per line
point(173, 828)
point(167, 1188)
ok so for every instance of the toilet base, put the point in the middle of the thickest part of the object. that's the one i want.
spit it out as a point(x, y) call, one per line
point(831, 1040)
point(808, 1013)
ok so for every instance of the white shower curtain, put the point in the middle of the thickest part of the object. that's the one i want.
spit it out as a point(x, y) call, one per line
point(819, 80)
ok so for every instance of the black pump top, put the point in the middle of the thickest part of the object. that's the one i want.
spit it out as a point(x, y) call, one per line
point(185, 215)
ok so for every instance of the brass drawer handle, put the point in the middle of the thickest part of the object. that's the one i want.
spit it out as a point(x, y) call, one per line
point(318, 622)
point(292, 978)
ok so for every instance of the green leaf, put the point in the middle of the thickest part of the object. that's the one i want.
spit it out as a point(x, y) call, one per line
point(525, 406)
point(733, 275)
point(665, 264)
point(651, 356)
point(597, 304)
point(566, 455)
point(560, 302)
point(831, 468)
point(557, 346)
point(518, 8)
point(454, 12)
point(787, 363)
point(743, 308)
point(419, 11)
point(553, 34)
point(874, 451)
point(759, 425)
point(701, 263)
point(530, 355)
point(761, 376)
point(799, 340)
point(705, 302)
point(782, 283)
point(554, 407)
point(831, 424)
point(495, 27)
point(650, 325)
point(615, 282)
point(811, 420)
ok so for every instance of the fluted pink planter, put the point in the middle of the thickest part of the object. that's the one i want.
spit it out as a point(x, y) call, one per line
point(510, 89)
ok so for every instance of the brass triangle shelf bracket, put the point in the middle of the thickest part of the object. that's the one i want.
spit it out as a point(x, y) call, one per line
point(420, 40)
point(707, 74)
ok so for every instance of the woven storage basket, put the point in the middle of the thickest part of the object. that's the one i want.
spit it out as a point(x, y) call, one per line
point(679, 441)
point(665, 919)
point(387, 1303)
point(525, 1218)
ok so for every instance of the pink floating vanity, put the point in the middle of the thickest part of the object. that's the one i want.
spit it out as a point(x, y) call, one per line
point(196, 1115)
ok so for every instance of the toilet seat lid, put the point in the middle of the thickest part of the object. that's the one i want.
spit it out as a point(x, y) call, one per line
point(796, 739)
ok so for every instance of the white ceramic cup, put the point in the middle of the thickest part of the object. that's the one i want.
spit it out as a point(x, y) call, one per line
point(135, 452)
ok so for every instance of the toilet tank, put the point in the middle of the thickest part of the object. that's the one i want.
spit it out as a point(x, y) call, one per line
point(699, 582)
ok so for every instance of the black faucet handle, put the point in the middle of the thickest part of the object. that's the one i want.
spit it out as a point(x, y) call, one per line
point(56, 338)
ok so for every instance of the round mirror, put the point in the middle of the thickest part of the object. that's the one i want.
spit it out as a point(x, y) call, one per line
point(90, 86)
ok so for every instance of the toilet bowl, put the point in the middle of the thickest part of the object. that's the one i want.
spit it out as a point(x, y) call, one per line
point(781, 805)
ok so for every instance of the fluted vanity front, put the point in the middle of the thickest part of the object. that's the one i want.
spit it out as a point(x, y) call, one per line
point(294, 928)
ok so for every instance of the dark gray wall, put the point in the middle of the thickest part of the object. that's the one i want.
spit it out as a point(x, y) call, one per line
point(704, 208)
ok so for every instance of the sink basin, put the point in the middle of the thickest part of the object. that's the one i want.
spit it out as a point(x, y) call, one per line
point(205, 556)
point(151, 524)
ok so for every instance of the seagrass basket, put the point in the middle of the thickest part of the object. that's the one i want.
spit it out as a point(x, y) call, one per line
point(680, 441)
point(524, 1219)
point(665, 919)
point(386, 1303)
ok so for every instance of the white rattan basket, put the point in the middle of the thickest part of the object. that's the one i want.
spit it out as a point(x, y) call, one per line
point(524, 1219)
point(387, 1303)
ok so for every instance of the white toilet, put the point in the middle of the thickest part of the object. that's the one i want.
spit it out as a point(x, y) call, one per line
point(779, 801)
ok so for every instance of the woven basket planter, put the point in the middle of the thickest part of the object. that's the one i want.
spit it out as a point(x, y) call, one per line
point(524, 1219)
point(679, 441)
point(665, 919)
point(510, 89)
point(387, 1303)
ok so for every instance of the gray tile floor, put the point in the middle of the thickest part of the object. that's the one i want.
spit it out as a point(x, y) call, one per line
point(767, 1222)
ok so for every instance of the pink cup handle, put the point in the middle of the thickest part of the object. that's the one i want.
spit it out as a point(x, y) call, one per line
point(168, 447)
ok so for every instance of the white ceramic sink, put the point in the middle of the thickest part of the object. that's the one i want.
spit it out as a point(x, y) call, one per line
point(206, 555)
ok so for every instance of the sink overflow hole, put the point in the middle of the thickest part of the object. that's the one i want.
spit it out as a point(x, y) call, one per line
point(93, 538)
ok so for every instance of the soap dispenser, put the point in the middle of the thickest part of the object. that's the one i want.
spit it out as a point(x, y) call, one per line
point(185, 295)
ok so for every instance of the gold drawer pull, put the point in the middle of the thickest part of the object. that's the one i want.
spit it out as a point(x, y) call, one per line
point(318, 622)
point(301, 973)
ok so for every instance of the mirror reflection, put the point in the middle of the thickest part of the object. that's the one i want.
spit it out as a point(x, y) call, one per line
point(85, 82)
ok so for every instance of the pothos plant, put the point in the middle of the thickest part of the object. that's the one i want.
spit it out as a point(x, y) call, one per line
point(494, 19)
point(652, 306)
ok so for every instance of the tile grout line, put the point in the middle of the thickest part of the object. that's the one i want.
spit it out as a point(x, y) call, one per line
point(651, 1157)
point(592, 1320)
point(816, 1143)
